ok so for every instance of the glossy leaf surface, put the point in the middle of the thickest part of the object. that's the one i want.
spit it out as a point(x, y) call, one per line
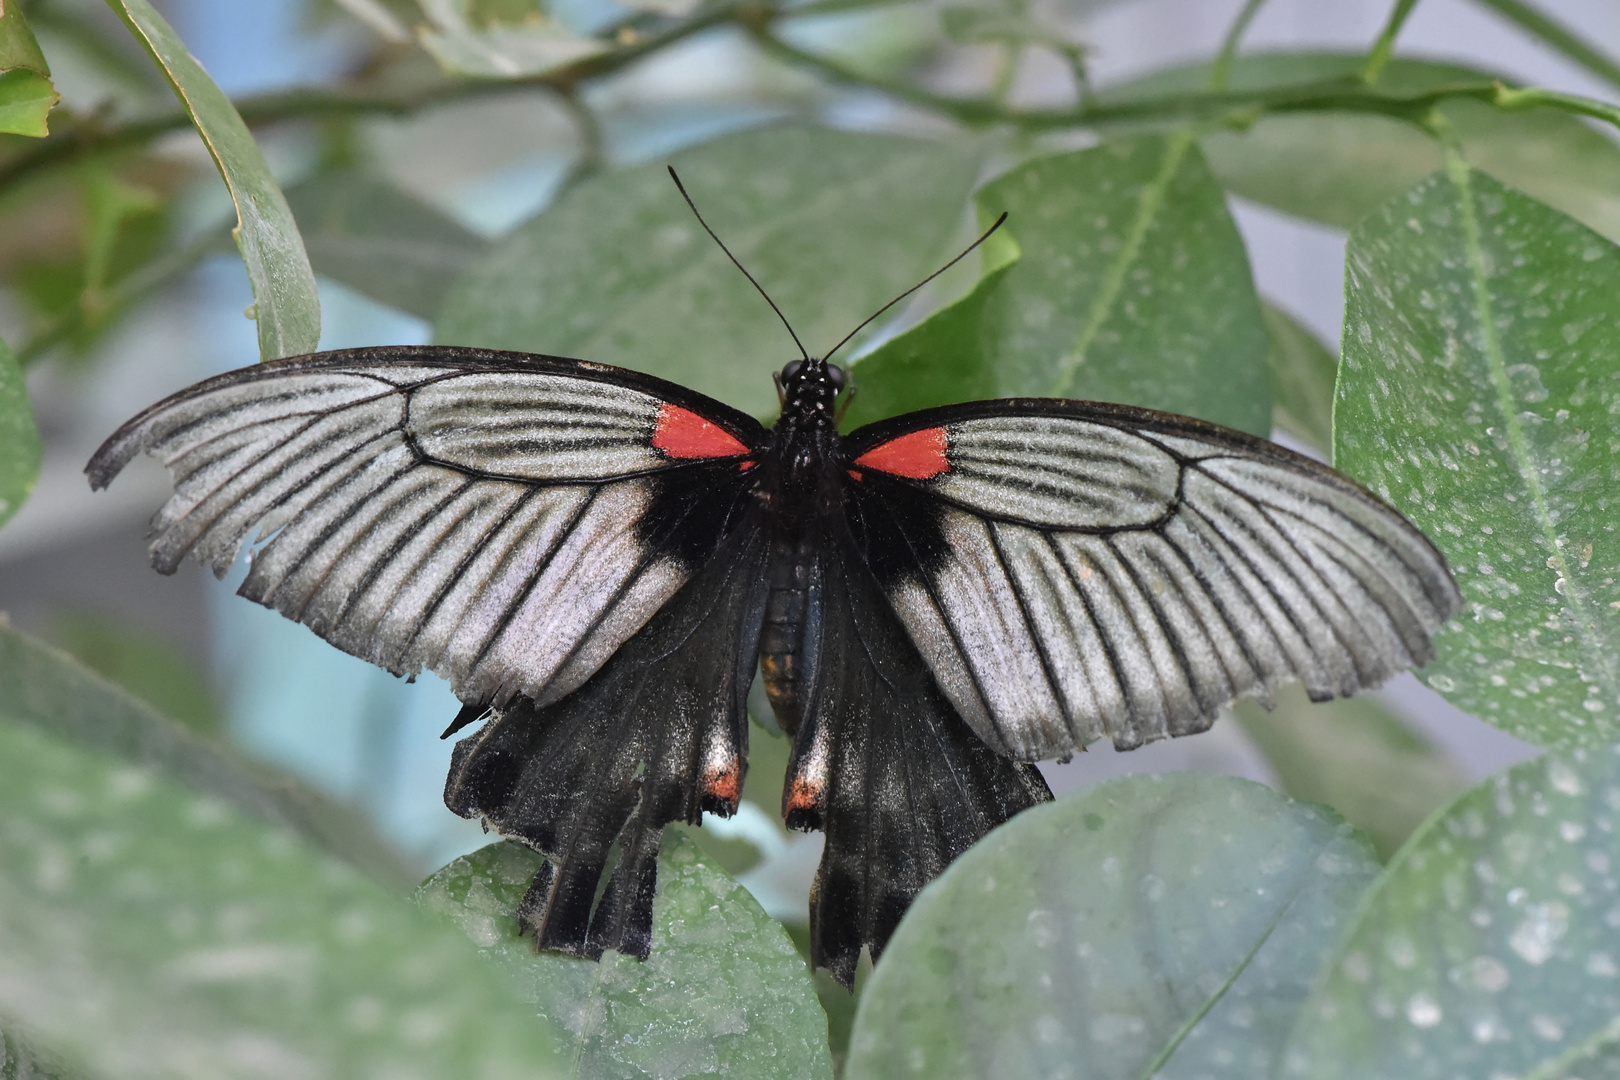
point(150, 931)
point(1165, 926)
point(723, 992)
point(1477, 395)
point(1132, 286)
point(618, 271)
point(1490, 945)
point(46, 688)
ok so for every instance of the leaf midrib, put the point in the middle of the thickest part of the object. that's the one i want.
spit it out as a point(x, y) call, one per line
point(1148, 204)
point(1593, 644)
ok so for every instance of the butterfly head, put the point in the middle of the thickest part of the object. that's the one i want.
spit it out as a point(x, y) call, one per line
point(809, 389)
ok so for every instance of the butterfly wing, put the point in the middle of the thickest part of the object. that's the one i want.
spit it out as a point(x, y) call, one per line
point(659, 734)
point(1074, 570)
point(883, 765)
point(505, 520)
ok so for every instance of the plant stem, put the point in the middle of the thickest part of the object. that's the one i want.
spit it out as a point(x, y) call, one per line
point(89, 135)
point(1558, 36)
point(1221, 72)
point(1331, 95)
point(1529, 97)
point(1384, 47)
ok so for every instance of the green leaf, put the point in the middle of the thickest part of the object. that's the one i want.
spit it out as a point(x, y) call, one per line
point(723, 991)
point(1336, 167)
point(1303, 371)
point(153, 669)
point(150, 931)
point(1152, 926)
point(21, 1061)
point(1132, 286)
point(1488, 947)
point(468, 37)
point(42, 686)
point(1355, 756)
point(1476, 393)
point(943, 359)
point(19, 438)
point(26, 99)
point(382, 242)
point(619, 271)
point(26, 93)
point(285, 303)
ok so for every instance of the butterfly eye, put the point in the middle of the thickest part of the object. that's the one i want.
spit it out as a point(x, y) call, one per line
point(792, 369)
point(835, 375)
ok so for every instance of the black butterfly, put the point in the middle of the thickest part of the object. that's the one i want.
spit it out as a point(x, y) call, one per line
point(598, 561)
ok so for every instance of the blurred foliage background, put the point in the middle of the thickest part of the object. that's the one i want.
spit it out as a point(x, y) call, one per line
point(411, 139)
point(491, 172)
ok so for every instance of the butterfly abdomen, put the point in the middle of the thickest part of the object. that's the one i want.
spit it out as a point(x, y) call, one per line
point(781, 645)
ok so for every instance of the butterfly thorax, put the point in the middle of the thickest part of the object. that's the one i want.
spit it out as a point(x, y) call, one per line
point(802, 494)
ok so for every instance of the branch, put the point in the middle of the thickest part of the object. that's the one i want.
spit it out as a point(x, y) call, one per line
point(1220, 73)
point(89, 135)
point(1347, 94)
point(1384, 48)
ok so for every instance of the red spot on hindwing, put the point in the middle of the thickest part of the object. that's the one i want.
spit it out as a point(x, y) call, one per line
point(916, 455)
point(683, 434)
point(724, 784)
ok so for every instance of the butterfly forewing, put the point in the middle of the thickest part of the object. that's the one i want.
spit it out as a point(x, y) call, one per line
point(505, 520)
point(1071, 570)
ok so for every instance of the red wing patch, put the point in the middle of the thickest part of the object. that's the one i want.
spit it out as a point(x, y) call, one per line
point(682, 434)
point(917, 455)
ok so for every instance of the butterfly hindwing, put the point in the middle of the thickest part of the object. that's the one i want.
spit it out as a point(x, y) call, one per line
point(1075, 570)
point(883, 765)
point(658, 734)
point(502, 519)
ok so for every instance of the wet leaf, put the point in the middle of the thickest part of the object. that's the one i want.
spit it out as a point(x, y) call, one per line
point(44, 687)
point(1131, 285)
point(148, 931)
point(1152, 926)
point(1355, 756)
point(1489, 947)
point(285, 302)
point(21, 1061)
point(833, 225)
point(19, 437)
point(723, 991)
point(1476, 394)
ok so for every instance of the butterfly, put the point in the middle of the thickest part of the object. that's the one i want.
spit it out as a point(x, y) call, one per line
point(599, 561)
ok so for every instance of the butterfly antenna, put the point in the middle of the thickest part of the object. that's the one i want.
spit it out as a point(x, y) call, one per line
point(682, 189)
point(917, 286)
